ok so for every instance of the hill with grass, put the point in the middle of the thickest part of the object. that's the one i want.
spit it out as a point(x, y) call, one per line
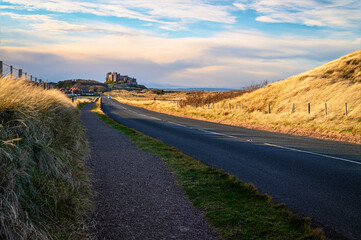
point(335, 83)
point(90, 85)
point(44, 187)
point(326, 99)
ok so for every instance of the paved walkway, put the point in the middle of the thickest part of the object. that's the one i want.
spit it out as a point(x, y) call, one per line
point(137, 197)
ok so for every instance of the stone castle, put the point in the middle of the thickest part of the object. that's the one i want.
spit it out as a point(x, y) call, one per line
point(122, 79)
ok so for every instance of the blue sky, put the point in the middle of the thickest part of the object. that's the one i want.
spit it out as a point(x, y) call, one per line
point(173, 43)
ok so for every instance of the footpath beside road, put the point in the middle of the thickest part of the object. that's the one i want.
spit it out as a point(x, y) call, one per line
point(137, 197)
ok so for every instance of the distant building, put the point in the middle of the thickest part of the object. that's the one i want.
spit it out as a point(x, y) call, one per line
point(117, 78)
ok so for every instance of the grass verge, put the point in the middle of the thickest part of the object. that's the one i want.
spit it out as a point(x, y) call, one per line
point(236, 210)
point(44, 186)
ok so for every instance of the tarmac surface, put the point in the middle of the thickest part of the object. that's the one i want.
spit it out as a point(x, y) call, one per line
point(137, 197)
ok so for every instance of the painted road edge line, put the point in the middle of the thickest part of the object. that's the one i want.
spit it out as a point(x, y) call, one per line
point(317, 154)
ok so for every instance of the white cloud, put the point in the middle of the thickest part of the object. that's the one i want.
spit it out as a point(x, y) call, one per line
point(47, 25)
point(228, 59)
point(169, 13)
point(332, 13)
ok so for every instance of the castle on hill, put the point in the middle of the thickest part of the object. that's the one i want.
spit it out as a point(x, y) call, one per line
point(122, 79)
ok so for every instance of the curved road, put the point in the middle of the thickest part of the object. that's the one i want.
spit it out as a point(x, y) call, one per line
point(316, 178)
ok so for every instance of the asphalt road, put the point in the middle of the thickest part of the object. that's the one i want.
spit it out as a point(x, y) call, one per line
point(316, 178)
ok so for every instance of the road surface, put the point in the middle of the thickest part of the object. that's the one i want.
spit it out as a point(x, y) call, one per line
point(316, 178)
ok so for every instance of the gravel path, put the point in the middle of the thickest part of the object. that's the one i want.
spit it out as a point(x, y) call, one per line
point(137, 197)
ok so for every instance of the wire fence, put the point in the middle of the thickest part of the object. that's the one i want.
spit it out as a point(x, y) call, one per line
point(7, 70)
point(243, 108)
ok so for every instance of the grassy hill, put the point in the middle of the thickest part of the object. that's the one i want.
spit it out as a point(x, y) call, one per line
point(91, 85)
point(333, 85)
point(44, 188)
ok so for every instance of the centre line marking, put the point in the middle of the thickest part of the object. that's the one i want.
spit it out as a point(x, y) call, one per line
point(317, 154)
point(215, 133)
point(177, 124)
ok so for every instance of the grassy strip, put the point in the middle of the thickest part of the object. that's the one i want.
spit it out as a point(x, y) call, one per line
point(235, 209)
point(44, 186)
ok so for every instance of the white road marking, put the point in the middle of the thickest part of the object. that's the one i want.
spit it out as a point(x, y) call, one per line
point(177, 124)
point(317, 154)
point(155, 118)
point(215, 133)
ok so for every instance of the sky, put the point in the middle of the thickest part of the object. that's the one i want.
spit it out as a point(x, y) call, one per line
point(175, 43)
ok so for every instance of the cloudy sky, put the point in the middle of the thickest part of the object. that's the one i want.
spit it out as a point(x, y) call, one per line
point(177, 43)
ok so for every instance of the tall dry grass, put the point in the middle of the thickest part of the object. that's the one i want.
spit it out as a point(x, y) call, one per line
point(44, 189)
point(335, 83)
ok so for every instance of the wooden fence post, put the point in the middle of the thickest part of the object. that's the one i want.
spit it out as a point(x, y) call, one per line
point(11, 71)
point(20, 73)
point(269, 108)
point(326, 109)
point(293, 108)
point(1, 69)
point(309, 108)
point(346, 109)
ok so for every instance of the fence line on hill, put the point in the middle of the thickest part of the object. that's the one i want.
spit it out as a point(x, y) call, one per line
point(18, 73)
point(242, 107)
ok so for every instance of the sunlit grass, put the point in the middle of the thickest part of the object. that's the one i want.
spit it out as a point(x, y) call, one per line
point(44, 188)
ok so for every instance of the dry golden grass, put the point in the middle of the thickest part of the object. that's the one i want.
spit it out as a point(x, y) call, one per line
point(335, 83)
point(44, 189)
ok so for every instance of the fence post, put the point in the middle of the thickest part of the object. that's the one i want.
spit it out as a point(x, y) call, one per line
point(346, 109)
point(269, 108)
point(326, 109)
point(230, 107)
point(26, 76)
point(11, 71)
point(1, 69)
point(20, 74)
point(36, 79)
point(309, 108)
point(293, 108)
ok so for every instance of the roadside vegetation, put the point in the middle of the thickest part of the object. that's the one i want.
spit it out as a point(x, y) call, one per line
point(44, 187)
point(81, 102)
point(234, 209)
point(324, 102)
